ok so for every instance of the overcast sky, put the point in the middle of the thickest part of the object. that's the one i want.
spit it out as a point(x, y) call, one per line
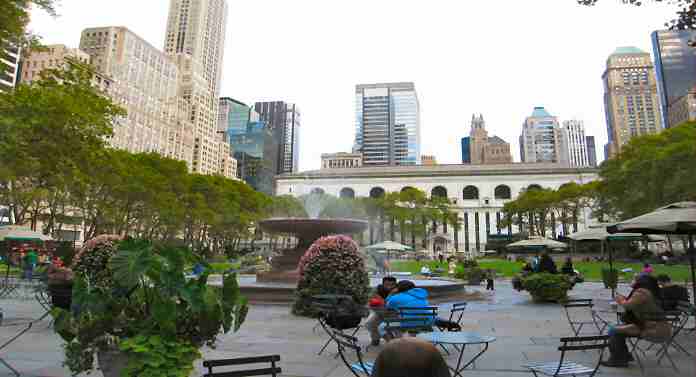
point(500, 58)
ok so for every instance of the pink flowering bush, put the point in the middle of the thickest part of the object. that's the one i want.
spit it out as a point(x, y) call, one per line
point(332, 265)
point(92, 261)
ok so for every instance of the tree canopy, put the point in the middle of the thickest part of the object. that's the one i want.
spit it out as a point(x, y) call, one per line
point(686, 14)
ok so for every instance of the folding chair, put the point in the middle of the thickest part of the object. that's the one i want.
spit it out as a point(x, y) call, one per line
point(674, 319)
point(272, 371)
point(328, 308)
point(578, 306)
point(423, 318)
point(563, 367)
point(456, 315)
point(344, 342)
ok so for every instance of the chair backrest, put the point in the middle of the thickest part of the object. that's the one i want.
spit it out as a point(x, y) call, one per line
point(457, 312)
point(570, 344)
point(272, 371)
point(345, 343)
point(578, 303)
point(409, 324)
point(686, 307)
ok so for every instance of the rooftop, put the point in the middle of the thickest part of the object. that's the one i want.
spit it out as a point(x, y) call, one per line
point(540, 112)
point(496, 140)
point(628, 50)
point(440, 170)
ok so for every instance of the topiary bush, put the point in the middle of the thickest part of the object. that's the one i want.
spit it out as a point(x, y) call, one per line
point(92, 261)
point(545, 287)
point(332, 265)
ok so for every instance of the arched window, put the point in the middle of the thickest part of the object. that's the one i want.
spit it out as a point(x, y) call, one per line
point(533, 186)
point(317, 191)
point(376, 192)
point(439, 192)
point(503, 192)
point(470, 192)
point(347, 193)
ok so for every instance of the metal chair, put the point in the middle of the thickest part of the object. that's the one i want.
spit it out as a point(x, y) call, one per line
point(360, 368)
point(329, 309)
point(456, 315)
point(674, 319)
point(563, 367)
point(272, 371)
point(579, 307)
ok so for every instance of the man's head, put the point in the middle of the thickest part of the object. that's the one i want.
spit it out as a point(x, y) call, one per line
point(405, 285)
point(410, 357)
point(389, 283)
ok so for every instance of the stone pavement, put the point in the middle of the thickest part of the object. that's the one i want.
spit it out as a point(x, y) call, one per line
point(524, 331)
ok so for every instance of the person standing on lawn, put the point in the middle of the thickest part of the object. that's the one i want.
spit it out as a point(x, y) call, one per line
point(490, 280)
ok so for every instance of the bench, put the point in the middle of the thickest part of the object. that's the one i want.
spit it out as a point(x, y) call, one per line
point(272, 371)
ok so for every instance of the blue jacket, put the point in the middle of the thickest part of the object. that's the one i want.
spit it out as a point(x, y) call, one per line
point(416, 297)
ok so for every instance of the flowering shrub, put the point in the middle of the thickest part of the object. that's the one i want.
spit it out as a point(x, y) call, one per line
point(332, 265)
point(92, 261)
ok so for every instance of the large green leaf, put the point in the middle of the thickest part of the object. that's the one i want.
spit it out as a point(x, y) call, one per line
point(129, 266)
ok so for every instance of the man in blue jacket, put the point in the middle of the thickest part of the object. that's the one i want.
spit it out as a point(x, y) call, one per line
point(406, 295)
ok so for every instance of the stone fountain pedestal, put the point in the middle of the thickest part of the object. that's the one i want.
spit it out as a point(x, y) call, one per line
point(284, 262)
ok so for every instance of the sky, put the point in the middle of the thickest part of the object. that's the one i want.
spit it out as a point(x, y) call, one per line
point(499, 58)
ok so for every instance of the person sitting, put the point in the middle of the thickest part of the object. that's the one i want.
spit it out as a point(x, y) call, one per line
point(568, 268)
point(641, 307)
point(671, 293)
point(527, 269)
point(410, 357)
point(547, 265)
point(406, 295)
point(377, 304)
point(647, 269)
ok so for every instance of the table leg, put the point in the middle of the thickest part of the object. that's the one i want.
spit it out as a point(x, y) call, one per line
point(485, 348)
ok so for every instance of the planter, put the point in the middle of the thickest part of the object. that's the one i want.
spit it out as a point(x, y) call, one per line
point(546, 287)
point(112, 362)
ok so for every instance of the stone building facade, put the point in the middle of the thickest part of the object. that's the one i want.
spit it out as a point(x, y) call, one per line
point(484, 150)
point(476, 192)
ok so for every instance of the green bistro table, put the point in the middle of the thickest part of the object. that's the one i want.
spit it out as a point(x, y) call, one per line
point(459, 339)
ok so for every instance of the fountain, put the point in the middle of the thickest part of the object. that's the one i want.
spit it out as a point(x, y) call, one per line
point(284, 262)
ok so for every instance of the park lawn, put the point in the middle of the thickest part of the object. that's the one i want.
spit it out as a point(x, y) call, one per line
point(592, 271)
point(414, 266)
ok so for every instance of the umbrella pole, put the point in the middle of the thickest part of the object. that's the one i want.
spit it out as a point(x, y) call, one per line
point(611, 269)
point(691, 252)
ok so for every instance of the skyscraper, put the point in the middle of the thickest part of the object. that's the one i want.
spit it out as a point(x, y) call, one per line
point(575, 142)
point(631, 102)
point(9, 67)
point(195, 40)
point(283, 120)
point(542, 139)
point(675, 66)
point(591, 150)
point(234, 116)
point(387, 124)
point(145, 84)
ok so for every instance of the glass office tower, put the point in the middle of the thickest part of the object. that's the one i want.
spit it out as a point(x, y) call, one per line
point(387, 124)
point(675, 66)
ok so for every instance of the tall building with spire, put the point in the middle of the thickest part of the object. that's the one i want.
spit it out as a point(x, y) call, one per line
point(631, 101)
point(482, 149)
point(195, 41)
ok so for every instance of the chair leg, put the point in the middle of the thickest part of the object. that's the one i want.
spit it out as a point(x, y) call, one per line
point(634, 344)
point(325, 345)
point(8, 366)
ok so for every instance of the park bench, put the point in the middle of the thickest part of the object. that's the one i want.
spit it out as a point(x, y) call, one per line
point(274, 370)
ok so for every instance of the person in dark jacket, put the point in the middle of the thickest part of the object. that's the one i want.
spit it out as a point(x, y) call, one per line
point(671, 293)
point(410, 357)
point(546, 264)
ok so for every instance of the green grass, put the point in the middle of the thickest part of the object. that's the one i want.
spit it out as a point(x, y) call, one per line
point(591, 270)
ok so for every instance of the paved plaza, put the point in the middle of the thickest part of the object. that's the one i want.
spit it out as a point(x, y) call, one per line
point(524, 331)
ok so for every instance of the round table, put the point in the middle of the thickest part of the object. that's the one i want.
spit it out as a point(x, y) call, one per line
point(459, 339)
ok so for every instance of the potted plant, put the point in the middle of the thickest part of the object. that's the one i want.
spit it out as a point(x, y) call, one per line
point(545, 287)
point(141, 316)
point(610, 277)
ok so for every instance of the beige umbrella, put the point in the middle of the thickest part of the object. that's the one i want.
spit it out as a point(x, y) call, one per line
point(676, 218)
point(21, 233)
point(537, 243)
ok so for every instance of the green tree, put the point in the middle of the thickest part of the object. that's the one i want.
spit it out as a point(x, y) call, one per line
point(14, 19)
point(49, 131)
point(686, 14)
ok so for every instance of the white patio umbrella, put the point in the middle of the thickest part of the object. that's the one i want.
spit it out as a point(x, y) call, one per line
point(387, 247)
point(676, 218)
point(537, 243)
